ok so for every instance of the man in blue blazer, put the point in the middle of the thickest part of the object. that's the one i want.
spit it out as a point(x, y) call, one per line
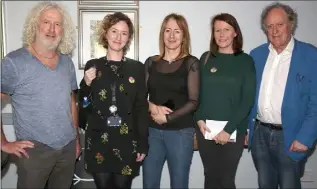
point(283, 121)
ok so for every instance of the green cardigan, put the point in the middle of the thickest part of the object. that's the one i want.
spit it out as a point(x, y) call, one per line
point(227, 90)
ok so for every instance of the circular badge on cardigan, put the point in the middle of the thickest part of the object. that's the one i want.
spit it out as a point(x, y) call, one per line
point(213, 69)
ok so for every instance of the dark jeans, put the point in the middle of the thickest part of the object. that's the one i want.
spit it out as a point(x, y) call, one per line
point(273, 165)
point(175, 146)
point(220, 161)
point(47, 165)
point(112, 181)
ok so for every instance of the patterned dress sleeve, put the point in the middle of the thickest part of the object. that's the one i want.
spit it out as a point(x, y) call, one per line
point(84, 91)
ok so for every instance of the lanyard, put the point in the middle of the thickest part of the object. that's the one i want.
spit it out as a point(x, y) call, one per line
point(116, 70)
point(113, 91)
point(113, 108)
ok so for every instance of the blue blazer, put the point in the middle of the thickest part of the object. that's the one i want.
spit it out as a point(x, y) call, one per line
point(299, 106)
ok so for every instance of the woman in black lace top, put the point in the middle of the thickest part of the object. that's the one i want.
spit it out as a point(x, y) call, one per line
point(173, 87)
point(117, 127)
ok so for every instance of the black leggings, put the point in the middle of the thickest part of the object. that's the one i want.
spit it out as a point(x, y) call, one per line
point(112, 181)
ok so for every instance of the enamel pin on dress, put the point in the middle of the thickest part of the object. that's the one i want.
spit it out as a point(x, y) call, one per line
point(131, 79)
point(86, 102)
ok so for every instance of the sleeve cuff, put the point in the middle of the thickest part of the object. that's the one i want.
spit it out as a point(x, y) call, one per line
point(198, 116)
point(84, 89)
point(229, 129)
point(143, 147)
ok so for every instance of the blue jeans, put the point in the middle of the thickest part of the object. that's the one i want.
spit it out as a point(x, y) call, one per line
point(273, 165)
point(175, 146)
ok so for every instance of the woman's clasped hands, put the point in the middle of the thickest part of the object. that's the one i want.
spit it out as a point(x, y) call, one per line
point(159, 113)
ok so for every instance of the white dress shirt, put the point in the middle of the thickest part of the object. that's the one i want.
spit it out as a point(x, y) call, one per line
point(273, 84)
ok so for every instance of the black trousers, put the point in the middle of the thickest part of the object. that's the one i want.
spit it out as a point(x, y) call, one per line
point(112, 181)
point(220, 161)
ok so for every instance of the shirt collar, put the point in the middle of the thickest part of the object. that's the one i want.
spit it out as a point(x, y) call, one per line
point(289, 48)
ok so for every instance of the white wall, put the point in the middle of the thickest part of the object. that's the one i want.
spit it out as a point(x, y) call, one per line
point(198, 15)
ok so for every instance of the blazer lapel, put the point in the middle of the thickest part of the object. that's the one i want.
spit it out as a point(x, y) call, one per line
point(290, 88)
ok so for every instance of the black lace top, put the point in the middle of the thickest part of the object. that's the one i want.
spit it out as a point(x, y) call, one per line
point(175, 85)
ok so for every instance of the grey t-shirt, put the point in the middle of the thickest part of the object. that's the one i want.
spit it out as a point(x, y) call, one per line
point(41, 97)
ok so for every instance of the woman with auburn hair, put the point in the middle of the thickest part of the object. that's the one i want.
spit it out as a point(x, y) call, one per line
point(113, 98)
point(227, 94)
point(172, 79)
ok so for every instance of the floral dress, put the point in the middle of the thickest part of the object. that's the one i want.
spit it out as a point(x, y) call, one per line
point(114, 149)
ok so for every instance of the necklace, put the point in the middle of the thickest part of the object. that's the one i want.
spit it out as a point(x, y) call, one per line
point(114, 68)
point(170, 61)
point(42, 55)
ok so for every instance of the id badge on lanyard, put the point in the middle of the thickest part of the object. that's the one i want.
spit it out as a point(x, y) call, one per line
point(114, 120)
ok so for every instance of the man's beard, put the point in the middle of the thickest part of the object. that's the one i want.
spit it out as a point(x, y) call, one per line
point(48, 44)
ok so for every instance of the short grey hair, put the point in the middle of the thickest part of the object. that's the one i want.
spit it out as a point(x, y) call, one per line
point(291, 14)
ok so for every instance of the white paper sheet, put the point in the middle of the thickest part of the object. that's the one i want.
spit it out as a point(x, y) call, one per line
point(216, 127)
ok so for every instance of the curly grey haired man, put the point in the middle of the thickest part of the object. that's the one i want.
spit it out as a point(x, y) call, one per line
point(40, 79)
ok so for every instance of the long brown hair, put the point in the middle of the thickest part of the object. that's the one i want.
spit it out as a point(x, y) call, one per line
point(182, 24)
point(237, 41)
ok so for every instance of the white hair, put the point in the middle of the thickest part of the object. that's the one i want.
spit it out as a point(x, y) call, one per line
point(67, 43)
